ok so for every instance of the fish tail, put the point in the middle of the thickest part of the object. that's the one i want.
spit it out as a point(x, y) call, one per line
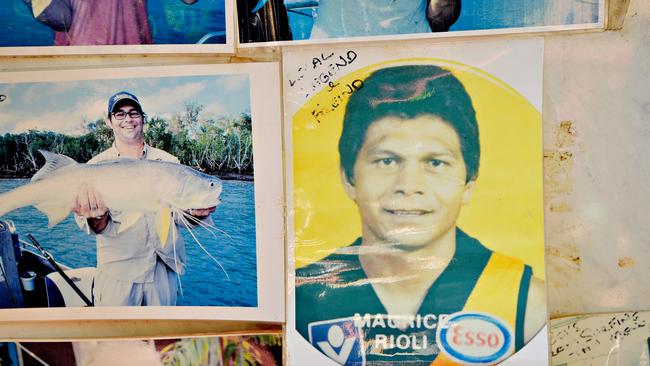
point(14, 199)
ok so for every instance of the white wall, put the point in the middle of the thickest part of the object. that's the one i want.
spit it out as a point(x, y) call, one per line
point(597, 167)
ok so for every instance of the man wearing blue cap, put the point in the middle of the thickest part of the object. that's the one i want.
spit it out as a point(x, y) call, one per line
point(134, 267)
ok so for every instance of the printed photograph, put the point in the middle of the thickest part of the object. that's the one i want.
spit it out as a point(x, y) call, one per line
point(321, 20)
point(128, 192)
point(26, 24)
point(417, 190)
point(250, 350)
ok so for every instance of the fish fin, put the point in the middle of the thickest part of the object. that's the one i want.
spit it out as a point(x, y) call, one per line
point(162, 224)
point(52, 162)
point(55, 214)
point(128, 219)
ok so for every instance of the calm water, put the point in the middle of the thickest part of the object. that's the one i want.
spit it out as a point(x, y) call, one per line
point(171, 22)
point(204, 283)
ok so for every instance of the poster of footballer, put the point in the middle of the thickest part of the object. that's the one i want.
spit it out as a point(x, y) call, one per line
point(415, 196)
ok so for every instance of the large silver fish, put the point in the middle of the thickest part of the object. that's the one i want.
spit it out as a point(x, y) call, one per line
point(128, 185)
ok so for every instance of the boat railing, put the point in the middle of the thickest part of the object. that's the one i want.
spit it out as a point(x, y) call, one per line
point(26, 246)
point(33, 250)
point(29, 247)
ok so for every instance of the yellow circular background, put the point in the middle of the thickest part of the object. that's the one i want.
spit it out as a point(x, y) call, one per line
point(506, 210)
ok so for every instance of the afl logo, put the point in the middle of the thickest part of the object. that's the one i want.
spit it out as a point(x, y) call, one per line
point(473, 338)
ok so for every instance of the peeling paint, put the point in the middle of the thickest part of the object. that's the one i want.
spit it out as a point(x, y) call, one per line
point(558, 169)
point(569, 254)
point(565, 135)
point(626, 262)
point(564, 262)
point(560, 207)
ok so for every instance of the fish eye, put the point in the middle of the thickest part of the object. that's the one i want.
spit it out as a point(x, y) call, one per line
point(211, 184)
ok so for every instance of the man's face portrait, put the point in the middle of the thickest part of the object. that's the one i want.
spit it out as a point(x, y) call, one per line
point(409, 181)
point(127, 123)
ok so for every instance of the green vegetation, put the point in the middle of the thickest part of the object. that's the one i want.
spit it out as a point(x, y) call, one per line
point(221, 147)
point(223, 351)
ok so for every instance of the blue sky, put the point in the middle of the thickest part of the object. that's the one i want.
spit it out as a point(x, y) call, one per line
point(64, 106)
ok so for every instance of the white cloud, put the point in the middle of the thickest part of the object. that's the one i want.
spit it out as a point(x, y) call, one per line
point(37, 93)
point(170, 100)
point(231, 83)
point(8, 116)
point(215, 110)
point(31, 94)
point(52, 121)
point(7, 122)
point(29, 124)
point(68, 121)
point(104, 89)
point(91, 109)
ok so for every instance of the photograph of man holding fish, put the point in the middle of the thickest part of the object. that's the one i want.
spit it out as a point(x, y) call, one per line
point(144, 271)
point(158, 173)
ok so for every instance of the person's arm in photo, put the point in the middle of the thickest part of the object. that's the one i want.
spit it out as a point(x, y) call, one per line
point(56, 14)
point(442, 14)
point(263, 21)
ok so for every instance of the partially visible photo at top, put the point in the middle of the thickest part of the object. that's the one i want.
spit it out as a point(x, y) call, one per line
point(42, 23)
point(321, 21)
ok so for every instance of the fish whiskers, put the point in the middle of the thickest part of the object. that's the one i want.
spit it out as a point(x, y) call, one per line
point(189, 222)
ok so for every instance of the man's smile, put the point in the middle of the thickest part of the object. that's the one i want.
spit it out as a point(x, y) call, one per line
point(408, 212)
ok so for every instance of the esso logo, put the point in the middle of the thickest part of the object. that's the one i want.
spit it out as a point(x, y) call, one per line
point(475, 338)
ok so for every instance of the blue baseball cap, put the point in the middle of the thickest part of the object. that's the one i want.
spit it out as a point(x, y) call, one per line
point(119, 96)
